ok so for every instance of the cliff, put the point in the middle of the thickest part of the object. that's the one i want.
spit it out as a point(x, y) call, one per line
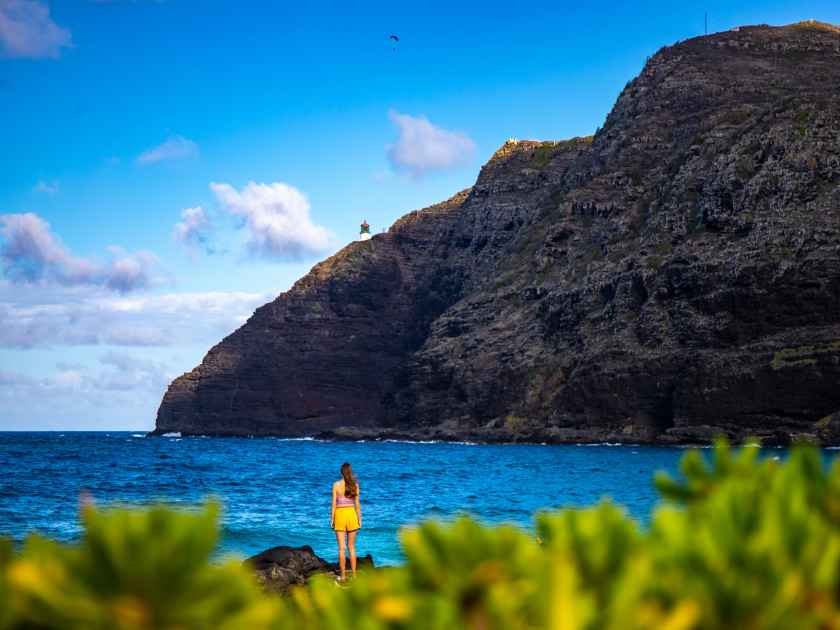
point(675, 276)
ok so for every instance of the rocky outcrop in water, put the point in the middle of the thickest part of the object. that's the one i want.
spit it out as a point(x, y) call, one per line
point(673, 277)
point(280, 568)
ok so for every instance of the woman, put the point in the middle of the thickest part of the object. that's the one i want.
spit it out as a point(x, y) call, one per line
point(346, 516)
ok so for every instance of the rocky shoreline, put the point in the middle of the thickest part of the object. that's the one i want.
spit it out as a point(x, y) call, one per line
point(826, 433)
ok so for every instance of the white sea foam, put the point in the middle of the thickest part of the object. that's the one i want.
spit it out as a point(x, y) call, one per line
point(393, 441)
point(175, 434)
point(138, 435)
point(601, 444)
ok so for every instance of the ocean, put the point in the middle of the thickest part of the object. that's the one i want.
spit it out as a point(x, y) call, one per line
point(277, 492)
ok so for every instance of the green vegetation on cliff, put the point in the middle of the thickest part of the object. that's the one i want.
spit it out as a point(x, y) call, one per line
point(741, 542)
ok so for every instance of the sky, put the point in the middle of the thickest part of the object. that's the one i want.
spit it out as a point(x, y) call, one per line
point(168, 165)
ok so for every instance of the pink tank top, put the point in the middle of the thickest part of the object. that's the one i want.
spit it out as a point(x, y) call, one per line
point(342, 501)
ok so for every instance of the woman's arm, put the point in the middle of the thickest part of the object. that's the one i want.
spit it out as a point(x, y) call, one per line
point(358, 504)
point(332, 511)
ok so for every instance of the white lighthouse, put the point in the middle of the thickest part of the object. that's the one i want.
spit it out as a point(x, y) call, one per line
point(364, 232)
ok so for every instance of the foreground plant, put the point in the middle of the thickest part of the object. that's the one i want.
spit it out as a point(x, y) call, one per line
point(741, 542)
point(134, 569)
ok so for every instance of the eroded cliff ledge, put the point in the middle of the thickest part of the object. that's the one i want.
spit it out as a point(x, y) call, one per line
point(675, 276)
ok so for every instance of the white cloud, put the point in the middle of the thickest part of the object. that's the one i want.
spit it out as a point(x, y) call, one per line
point(27, 30)
point(128, 272)
point(34, 316)
point(194, 229)
point(49, 188)
point(173, 148)
point(32, 254)
point(422, 147)
point(277, 219)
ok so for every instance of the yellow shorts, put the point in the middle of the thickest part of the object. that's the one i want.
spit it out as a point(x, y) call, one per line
point(346, 519)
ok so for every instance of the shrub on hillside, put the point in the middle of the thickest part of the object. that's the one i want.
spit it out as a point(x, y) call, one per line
point(740, 542)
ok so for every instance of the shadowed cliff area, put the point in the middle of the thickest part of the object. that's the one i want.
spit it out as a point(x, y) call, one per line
point(675, 276)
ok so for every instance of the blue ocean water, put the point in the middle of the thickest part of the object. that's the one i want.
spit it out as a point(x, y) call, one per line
point(277, 491)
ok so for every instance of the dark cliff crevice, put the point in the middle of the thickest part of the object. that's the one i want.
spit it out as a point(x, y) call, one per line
point(675, 276)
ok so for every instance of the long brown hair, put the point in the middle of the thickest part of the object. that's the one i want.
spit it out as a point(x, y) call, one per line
point(349, 480)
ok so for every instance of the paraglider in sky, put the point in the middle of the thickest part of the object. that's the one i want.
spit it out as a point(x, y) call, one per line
point(395, 40)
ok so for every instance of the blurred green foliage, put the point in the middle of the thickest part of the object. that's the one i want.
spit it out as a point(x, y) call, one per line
point(132, 569)
point(738, 542)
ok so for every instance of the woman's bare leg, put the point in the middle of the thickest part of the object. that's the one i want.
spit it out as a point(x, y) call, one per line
point(341, 537)
point(352, 545)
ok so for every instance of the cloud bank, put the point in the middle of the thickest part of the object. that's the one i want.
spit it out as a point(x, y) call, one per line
point(422, 147)
point(33, 317)
point(27, 30)
point(31, 254)
point(121, 372)
point(276, 217)
point(173, 148)
point(118, 388)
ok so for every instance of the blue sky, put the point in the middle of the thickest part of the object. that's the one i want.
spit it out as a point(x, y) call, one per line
point(131, 235)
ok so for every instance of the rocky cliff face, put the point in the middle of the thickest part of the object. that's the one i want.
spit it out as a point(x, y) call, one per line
point(673, 277)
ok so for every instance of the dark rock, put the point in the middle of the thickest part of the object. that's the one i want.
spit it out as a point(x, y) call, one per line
point(673, 278)
point(827, 429)
point(279, 568)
